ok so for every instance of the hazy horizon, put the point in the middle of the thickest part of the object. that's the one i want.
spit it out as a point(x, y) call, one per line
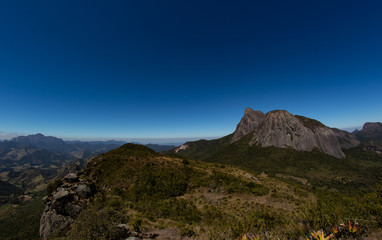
point(160, 141)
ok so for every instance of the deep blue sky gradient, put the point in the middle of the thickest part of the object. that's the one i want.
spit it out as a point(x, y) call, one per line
point(163, 69)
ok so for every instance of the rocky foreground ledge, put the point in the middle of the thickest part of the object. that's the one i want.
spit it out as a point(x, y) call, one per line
point(67, 201)
point(64, 204)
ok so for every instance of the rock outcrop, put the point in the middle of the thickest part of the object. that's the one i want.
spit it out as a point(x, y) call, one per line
point(64, 204)
point(181, 147)
point(372, 146)
point(346, 139)
point(248, 123)
point(281, 129)
point(371, 131)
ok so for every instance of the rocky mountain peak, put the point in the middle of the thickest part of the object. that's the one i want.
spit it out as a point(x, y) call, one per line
point(37, 139)
point(247, 124)
point(279, 128)
point(371, 131)
point(372, 126)
point(44, 142)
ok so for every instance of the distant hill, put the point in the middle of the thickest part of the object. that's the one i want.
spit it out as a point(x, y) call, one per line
point(203, 148)
point(44, 142)
point(160, 148)
point(30, 162)
point(79, 149)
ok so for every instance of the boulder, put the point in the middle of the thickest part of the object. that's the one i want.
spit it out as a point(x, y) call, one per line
point(51, 222)
point(71, 177)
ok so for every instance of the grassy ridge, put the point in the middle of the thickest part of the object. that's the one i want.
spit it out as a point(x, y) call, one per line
point(282, 192)
point(203, 148)
point(213, 200)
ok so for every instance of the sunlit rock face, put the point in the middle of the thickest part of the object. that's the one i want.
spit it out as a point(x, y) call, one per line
point(248, 123)
point(282, 129)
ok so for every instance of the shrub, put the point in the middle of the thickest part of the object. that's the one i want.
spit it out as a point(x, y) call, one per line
point(94, 223)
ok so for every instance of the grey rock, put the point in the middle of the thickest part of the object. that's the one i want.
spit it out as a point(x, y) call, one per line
point(346, 139)
point(281, 129)
point(372, 146)
point(51, 222)
point(124, 226)
point(83, 191)
point(248, 123)
point(71, 177)
point(62, 207)
point(371, 131)
point(132, 238)
point(60, 193)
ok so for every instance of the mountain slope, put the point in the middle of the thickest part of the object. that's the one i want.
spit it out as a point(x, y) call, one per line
point(358, 168)
point(203, 148)
point(159, 148)
point(153, 196)
point(78, 149)
point(346, 139)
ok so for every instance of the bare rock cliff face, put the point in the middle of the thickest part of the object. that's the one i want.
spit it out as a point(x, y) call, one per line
point(248, 123)
point(346, 139)
point(64, 204)
point(281, 129)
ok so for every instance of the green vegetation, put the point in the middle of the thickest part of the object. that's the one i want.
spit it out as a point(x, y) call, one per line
point(218, 201)
point(310, 123)
point(280, 193)
point(204, 148)
point(22, 222)
point(98, 222)
point(359, 170)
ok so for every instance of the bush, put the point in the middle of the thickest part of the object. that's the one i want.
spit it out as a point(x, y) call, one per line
point(94, 223)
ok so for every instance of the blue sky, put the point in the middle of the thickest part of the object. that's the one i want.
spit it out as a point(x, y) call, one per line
point(177, 69)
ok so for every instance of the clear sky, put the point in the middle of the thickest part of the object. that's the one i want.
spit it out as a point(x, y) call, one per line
point(174, 69)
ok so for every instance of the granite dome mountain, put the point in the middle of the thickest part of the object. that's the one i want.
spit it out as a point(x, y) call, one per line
point(281, 129)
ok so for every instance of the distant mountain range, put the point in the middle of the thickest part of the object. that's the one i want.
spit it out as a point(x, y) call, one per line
point(77, 149)
point(29, 161)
